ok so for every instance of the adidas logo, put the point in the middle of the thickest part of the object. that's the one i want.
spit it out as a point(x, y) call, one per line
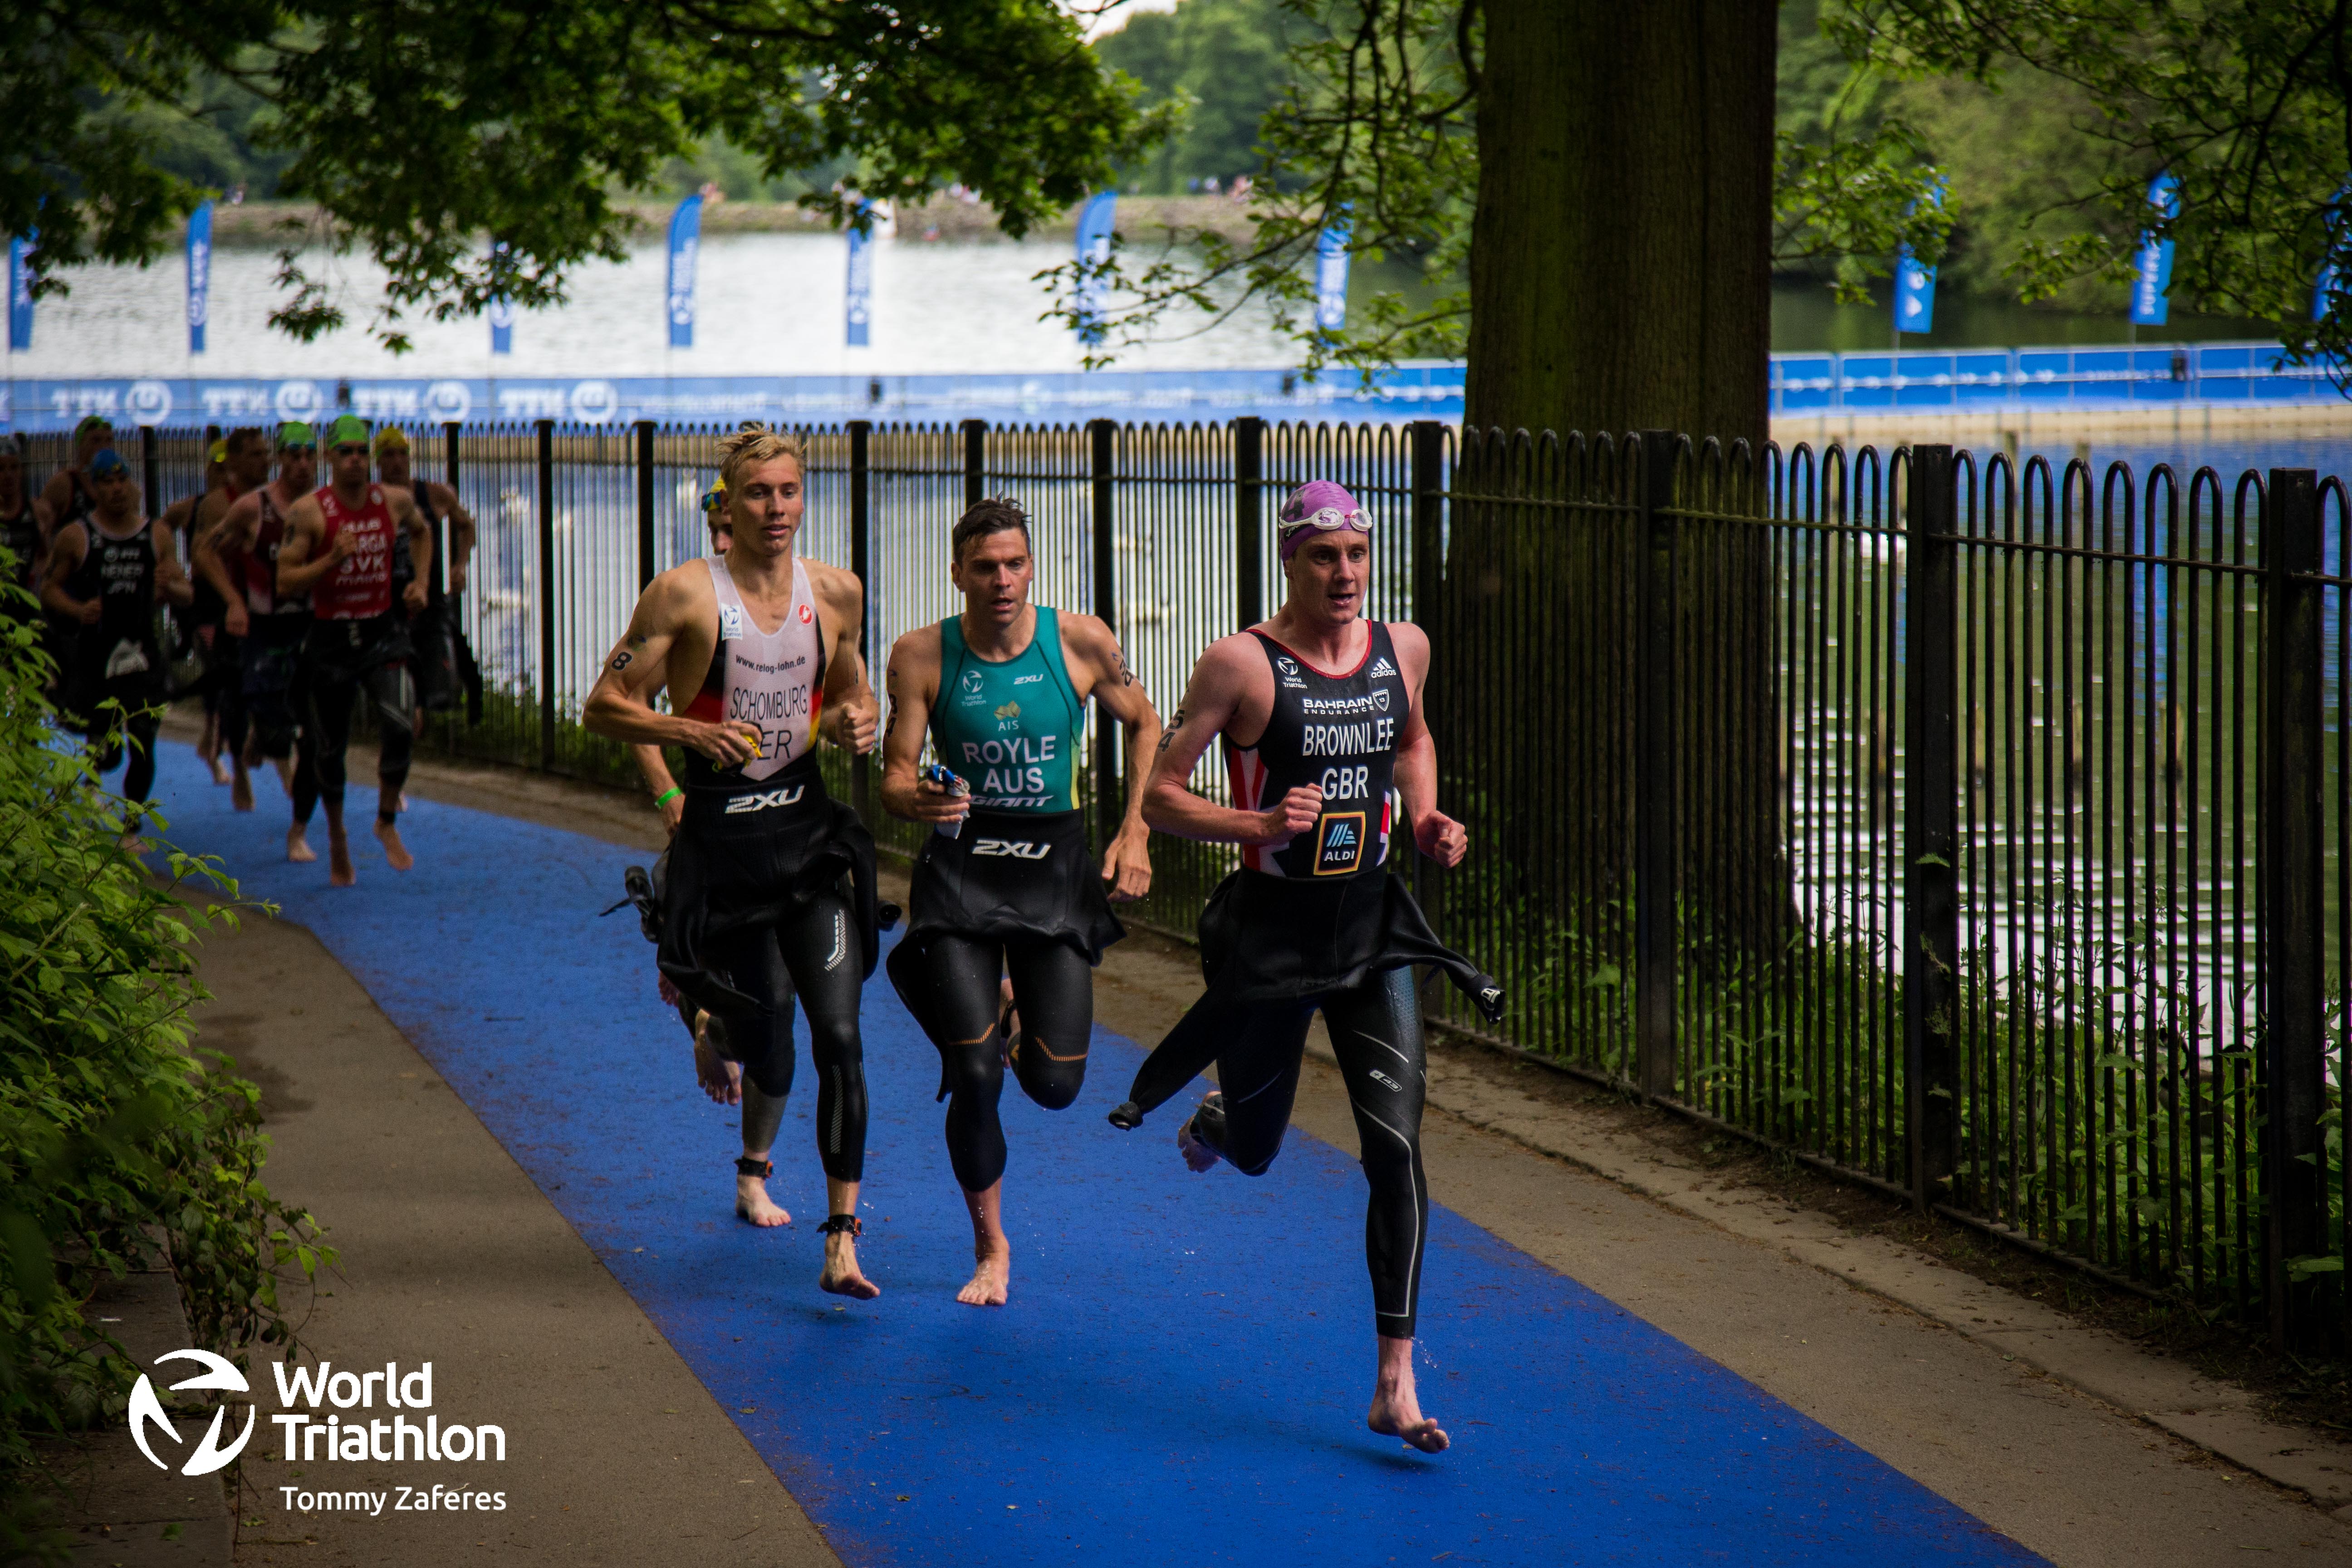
point(1381, 666)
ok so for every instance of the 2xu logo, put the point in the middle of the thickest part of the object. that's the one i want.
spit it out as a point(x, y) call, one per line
point(743, 803)
point(145, 1408)
point(1020, 848)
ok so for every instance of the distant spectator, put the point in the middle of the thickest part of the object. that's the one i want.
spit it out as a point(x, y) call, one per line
point(1210, 185)
point(1241, 187)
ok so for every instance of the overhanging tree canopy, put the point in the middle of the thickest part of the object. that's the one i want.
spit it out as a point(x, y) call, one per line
point(419, 126)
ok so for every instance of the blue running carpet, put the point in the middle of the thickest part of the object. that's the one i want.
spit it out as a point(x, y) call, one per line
point(1182, 1375)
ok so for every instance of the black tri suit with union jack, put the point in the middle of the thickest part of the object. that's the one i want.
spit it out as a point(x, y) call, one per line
point(1317, 922)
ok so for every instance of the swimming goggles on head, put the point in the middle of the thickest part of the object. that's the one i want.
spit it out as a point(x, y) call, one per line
point(714, 499)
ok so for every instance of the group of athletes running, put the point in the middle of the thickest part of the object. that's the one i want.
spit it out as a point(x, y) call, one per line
point(304, 599)
point(767, 892)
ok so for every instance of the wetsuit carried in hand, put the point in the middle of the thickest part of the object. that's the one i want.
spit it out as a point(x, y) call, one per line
point(1318, 922)
point(271, 649)
point(118, 658)
point(1014, 891)
point(357, 643)
point(770, 886)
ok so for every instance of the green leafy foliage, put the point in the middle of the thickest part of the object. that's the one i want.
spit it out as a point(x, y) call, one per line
point(120, 1146)
point(1226, 61)
point(2244, 102)
point(422, 127)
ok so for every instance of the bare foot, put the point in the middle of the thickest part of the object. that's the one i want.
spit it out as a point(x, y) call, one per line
point(753, 1203)
point(220, 769)
point(395, 851)
point(1396, 1409)
point(721, 1079)
point(340, 873)
point(298, 848)
point(240, 790)
point(1198, 1156)
point(840, 1276)
point(993, 1273)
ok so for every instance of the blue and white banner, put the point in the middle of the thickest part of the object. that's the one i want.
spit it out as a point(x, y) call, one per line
point(2323, 289)
point(20, 293)
point(1418, 392)
point(200, 274)
point(685, 250)
point(2152, 269)
point(860, 296)
point(1915, 282)
point(1331, 275)
point(1095, 222)
point(501, 312)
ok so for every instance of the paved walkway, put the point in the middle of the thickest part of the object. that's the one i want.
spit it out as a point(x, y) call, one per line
point(1179, 1377)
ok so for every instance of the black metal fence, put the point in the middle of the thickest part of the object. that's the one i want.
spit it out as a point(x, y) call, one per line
point(1977, 831)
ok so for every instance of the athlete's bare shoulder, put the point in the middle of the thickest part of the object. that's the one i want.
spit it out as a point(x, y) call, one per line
point(681, 596)
point(1235, 657)
point(306, 515)
point(916, 649)
point(837, 587)
point(1411, 645)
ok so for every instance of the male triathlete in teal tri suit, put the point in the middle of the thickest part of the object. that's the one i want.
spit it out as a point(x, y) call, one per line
point(1007, 882)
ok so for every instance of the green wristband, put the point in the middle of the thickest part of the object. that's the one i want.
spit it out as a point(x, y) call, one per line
point(662, 798)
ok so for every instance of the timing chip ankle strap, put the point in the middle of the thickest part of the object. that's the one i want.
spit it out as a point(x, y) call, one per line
point(847, 1224)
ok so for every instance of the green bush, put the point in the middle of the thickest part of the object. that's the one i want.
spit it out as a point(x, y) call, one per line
point(120, 1146)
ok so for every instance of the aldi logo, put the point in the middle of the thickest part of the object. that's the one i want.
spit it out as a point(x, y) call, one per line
point(1340, 844)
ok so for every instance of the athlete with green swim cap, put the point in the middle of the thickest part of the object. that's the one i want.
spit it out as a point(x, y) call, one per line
point(339, 543)
point(1007, 883)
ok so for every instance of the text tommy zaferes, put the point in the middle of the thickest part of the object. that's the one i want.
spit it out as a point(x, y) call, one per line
point(309, 1438)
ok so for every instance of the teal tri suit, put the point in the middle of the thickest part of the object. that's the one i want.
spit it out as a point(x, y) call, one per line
point(1014, 891)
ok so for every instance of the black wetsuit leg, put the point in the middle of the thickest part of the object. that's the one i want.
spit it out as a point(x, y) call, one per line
point(762, 1042)
point(139, 779)
point(326, 735)
point(394, 692)
point(955, 980)
point(826, 958)
point(1257, 1074)
point(1376, 1034)
point(1054, 988)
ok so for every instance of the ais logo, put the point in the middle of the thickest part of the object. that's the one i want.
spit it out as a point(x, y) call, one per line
point(146, 1408)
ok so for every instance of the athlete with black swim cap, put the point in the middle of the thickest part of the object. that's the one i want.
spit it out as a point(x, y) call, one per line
point(104, 576)
point(238, 556)
point(1003, 689)
point(1320, 712)
point(339, 543)
point(769, 891)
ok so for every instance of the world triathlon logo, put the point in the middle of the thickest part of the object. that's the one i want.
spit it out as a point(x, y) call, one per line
point(147, 1409)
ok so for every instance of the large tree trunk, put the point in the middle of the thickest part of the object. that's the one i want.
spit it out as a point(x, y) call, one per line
point(1620, 278)
point(1620, 264)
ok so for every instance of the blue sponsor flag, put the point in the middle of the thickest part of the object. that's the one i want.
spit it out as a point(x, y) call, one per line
point(684, 249)
point(501, 312)
point(1094, 253)
point(200, 274)
point(2322, 290)
point(860, 313)
point(2152, 267)
point(1915, 282)
point(20, 291)
point(1331, 274)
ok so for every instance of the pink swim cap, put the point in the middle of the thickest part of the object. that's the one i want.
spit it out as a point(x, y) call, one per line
point(1318, 506)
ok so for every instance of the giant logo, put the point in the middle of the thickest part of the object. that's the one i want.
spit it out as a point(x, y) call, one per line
point(297, 399)
point(594, 401)
point(147, 403)
point(147, 1409)
point(447, 401)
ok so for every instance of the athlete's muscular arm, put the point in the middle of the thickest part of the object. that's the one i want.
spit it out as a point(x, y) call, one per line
point(234, 532)
point(620, 705)
point(848, 720)
point(911, 677)
point(419, 540)
point(66, 552)
point(1436, 835)
point(1223, 684)
point(1099, 669)
point(170, 583)
point(305, 525)
point(461, 533)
